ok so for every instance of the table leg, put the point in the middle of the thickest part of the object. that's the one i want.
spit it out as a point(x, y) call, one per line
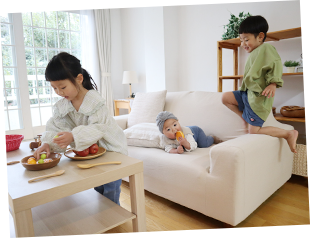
point(116, 109)
point(137, 201)
point(23, 224)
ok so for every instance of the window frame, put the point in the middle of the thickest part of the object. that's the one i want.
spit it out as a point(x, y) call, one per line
point(27, 130)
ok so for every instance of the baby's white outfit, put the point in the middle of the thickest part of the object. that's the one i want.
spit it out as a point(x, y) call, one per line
point(169, 144)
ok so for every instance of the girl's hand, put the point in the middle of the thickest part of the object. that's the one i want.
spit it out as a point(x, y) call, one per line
point(64, 139)
point(43, 148)
point(180, 149)
point(270, 90)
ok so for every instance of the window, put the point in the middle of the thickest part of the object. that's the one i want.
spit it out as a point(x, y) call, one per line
point(44, 34)
point(44, 38)
point(12, 105)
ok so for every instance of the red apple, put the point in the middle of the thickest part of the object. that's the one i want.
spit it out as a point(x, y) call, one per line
point(93, 149)
point(82, 153)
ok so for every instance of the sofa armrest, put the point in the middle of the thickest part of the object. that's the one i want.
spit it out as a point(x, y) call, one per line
point(246, 171)
point(122, 121)
point(248, 151)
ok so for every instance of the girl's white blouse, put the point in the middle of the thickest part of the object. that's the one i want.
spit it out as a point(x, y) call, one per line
point(91, 124)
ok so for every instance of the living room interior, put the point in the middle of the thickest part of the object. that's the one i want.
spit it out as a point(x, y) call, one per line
point(174, 48)
point(179, 50)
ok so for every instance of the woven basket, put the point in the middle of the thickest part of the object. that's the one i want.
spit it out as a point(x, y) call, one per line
point(300, 161)
point(10, 142)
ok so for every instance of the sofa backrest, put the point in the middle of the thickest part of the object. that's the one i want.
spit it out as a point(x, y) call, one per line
point(206, 110)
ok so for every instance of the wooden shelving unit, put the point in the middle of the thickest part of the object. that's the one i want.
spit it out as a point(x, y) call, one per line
point(234, 44)
point(279, 117)
point(241, 76)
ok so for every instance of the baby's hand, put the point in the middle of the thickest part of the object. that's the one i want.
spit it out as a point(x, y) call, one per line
point(184, 143)
point(180, 149)
point(182, 140)
point(270, 90)
point(64, 139)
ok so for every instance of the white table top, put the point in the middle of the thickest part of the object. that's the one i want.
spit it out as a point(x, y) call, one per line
point(26, 195)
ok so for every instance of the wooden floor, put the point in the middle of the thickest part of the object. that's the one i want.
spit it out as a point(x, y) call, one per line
point(288, 208)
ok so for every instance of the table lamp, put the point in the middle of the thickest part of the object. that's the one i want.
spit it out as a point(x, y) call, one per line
point(130, 77)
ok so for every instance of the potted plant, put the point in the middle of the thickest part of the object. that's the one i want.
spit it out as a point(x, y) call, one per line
point(290, 65)
point(232, 28)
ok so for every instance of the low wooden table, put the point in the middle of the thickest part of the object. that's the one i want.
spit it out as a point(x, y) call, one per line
point(68, 204)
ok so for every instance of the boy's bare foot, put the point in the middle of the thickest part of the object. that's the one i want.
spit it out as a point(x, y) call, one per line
point(216, 139)
point(291, 140)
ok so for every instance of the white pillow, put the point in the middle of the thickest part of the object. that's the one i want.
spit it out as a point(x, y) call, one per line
point(146, 107)
point(144, 135)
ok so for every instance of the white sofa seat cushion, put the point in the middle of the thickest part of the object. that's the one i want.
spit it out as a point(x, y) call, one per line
point(178, 177)
point(146, 107)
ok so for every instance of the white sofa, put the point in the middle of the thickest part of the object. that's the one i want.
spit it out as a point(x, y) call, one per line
point(227, 181)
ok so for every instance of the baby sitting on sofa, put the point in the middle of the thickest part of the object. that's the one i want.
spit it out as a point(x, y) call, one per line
point(194, 136)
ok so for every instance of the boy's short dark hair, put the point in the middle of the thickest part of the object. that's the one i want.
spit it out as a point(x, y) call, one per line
point(254, 25)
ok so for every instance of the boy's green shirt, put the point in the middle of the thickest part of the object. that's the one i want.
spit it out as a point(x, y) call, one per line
point(263, 67)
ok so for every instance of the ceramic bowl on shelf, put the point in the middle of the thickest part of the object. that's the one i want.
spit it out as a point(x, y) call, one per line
point(55, 160)
point(292, 111)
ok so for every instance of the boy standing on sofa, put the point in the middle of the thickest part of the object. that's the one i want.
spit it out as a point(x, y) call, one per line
point(194, 136)
point(262, 75)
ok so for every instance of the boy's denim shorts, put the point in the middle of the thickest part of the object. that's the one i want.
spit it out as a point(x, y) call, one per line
point(248, 115)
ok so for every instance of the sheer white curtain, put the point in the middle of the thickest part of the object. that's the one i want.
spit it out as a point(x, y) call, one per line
point(96, 50)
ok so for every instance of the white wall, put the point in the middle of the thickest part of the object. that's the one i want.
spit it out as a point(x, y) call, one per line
point(117, 55)
point(154, 49)
point(189, 54)
point(171, 33)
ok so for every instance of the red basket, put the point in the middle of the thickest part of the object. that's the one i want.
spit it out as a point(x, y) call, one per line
point(13, 142)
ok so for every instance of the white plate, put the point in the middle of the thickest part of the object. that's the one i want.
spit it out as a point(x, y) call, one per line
point(70, 154)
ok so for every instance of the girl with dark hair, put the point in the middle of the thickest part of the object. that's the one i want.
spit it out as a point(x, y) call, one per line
point(81, 118)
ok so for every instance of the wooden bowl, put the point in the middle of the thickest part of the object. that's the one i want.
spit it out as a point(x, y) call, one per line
point(292, 111)
point(54, 156)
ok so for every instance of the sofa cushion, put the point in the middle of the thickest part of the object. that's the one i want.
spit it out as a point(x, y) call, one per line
point(146, 106)
point(206, 110)
point(180, 178)
point(144, 135)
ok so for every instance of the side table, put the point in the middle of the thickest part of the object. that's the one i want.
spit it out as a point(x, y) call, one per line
point(68, 204)
point(122, 103)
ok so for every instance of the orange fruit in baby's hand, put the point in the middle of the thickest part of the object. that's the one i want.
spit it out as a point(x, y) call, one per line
point(179, 134)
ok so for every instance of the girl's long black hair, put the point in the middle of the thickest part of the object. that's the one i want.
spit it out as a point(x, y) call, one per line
point(65, 66)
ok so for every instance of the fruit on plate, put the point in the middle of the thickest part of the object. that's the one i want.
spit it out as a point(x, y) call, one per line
point(93, 149)
point(40, 161)
point(43, 156)
point(48, 160)
point(82, 153)
point(31, 160)
point(179, 134)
